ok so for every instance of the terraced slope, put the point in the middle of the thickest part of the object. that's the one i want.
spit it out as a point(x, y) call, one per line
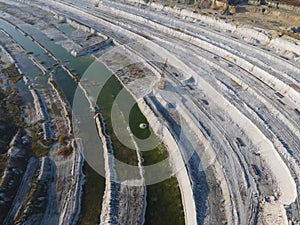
point(224, 99)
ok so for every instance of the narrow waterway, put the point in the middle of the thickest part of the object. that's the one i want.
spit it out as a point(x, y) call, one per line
point(158, 195)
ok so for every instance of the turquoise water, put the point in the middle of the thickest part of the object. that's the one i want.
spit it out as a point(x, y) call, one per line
point(66, 29)
point(77, 65)
point(29, 46)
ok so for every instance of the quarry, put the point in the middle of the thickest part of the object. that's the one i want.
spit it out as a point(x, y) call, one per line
point(149, 112)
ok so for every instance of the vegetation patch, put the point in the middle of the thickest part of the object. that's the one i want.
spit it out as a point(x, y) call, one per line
point(3, 165)
point(12, 73)
point(10, 118)
point(62, 139)
point(91, 201)
point(164, 204)
point(38, 150)
point(66, 150)
point(295, 86)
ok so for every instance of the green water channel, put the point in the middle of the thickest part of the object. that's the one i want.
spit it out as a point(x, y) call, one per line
point(163, 199)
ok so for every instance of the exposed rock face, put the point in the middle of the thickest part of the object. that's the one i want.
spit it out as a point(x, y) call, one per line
point(213, 3)
point(209, 3)
point(283, 3)
point(221, 4)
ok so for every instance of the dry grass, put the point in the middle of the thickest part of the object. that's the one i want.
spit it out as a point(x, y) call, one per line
point(295, 86)
point(12, 73)
point(66, 150)
point(291, 2)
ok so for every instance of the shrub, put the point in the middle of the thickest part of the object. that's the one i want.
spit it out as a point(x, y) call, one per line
point(62, 139)
point(66, 150)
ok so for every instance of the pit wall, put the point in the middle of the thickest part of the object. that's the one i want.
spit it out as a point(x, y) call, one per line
point(250, 34)
point(255, 70)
